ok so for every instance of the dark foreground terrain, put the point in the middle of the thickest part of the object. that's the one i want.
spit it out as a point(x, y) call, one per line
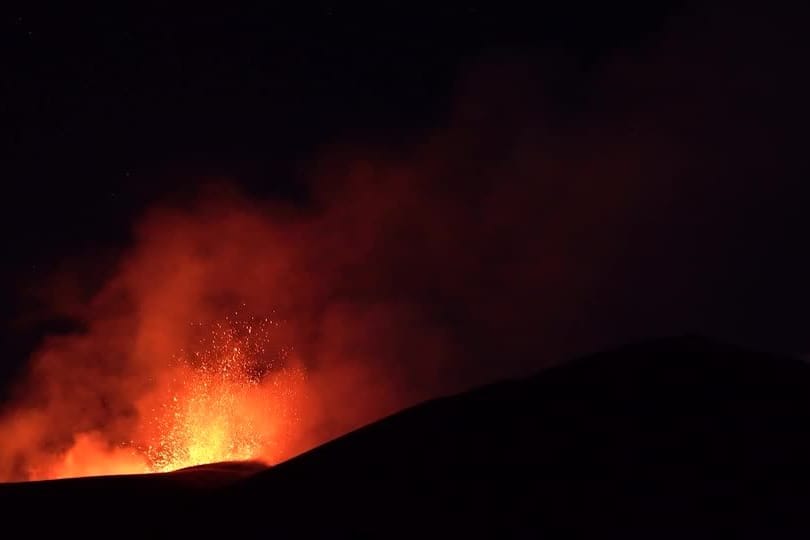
point(674, 438)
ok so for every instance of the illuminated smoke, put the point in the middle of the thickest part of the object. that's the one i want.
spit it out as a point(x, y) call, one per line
point(507, 239)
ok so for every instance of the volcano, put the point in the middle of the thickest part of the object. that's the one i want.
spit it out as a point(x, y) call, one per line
point(660, 438)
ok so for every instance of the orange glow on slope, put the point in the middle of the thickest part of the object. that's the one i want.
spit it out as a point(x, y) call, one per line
point(231, 397)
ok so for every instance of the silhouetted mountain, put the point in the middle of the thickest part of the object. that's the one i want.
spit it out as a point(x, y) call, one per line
point(658, 438)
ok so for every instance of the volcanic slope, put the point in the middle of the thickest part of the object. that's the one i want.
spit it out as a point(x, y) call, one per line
point(654, 438)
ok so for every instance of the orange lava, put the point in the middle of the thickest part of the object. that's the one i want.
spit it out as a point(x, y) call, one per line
point(232, 396)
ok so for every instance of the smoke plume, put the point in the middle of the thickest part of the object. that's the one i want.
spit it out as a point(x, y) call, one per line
point(523, 229)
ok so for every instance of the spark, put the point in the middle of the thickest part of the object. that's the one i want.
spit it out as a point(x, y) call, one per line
point(226, 399)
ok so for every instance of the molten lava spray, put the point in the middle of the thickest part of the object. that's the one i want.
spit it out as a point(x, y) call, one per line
point(231, 396)
point(231, 400)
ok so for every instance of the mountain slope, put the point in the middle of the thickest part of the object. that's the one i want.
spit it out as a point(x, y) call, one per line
point(654, 437)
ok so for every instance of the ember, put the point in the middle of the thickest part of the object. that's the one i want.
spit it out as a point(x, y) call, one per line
point(229, 400)
point(230, 397)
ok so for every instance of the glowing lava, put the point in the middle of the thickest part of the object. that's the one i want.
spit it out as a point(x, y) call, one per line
point(231, 396)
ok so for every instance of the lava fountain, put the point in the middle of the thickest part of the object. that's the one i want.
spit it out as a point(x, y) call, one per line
point(230, 396)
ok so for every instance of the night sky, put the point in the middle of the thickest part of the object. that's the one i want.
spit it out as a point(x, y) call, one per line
point(108, 113)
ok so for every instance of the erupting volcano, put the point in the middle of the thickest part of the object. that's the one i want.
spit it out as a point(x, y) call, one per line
point(229, 397)
point(221, 335)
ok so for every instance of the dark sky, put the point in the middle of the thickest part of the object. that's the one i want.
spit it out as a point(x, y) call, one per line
point(105, 113)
